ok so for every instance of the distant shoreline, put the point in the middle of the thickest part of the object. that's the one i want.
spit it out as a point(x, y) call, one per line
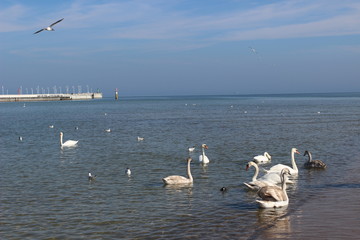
point(49, 97)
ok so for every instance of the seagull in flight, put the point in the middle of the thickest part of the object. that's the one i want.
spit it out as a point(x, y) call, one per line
point(253, 50)
point(49, 28)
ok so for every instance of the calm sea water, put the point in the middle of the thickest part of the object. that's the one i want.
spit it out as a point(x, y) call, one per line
point(45, 192)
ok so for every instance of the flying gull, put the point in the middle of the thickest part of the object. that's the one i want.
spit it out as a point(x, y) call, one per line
point(49, 28)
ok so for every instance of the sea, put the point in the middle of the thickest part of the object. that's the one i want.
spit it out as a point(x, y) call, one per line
point(45, 192)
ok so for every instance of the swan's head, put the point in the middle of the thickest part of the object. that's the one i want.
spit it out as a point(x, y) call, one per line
point(285, 171)
point(61, 134)
point(266, 154)
point(204, 146)
point(189, 159)
point(294, 150)
point(249, 165)
point(306, 153)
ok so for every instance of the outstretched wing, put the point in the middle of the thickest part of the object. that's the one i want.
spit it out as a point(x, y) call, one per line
point(39, 31)
point(56, 22)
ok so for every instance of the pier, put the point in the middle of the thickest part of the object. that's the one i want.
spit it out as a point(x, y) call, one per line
point(49, 97)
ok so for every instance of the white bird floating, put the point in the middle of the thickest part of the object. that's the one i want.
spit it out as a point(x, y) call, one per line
point(20, 138)
point(91, 177)
point(274, 196)
point(255, 183)
point(68, 143)
point(278, 167)
point(203, 158)
point(140, 139)
point(262, 158)
point(175, 179)
point(108, 130)
point(191, 149)
point(128, 172)
point(49, 28)
point(51, 126)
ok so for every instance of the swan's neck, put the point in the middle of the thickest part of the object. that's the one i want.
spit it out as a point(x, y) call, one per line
point(203, 152)
point(256, 172)
point(293, 161)
point(283, 185)
point(189, 172)
point(310, 157)
point(61, 139)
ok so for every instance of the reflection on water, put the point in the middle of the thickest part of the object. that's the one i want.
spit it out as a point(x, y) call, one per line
point(274, 223)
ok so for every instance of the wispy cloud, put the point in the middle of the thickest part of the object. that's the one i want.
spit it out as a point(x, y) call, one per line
point(162, 20)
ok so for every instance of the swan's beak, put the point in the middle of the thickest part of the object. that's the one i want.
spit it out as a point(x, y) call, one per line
point(297, 152)
point(247, 167)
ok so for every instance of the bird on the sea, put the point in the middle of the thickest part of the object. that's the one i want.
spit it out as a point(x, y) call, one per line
point(128, 172)
point(91, 177)
point(223, 189)
point(203, 158)
point(191, 149)
point(20, 138)
point(108, 130)
point(313, 163)
point(68, 143)
point(51, 126)
point(176, 179)
point(140, 139)
point(49, 28)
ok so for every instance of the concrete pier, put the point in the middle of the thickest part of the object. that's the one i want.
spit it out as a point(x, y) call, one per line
point(49, 97)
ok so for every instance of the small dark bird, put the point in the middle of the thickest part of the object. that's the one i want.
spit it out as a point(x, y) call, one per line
point(91, 177)
point(49, 28)
point(318, 164)
point(223, 189)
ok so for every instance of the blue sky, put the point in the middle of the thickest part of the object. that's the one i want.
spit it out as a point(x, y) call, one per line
point(181, 47)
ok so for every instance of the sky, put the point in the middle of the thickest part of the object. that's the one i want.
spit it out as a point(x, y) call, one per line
point(180, 47)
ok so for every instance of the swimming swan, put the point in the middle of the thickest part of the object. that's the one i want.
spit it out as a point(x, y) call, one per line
point(278, 167)
point(313, 163)
point(274, 196)
point(256, 184)
point(262, 158)
point(68, 143)
point(203, 158)
point(175, 179)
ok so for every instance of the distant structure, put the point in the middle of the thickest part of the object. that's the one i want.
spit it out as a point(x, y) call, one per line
point(116, 94)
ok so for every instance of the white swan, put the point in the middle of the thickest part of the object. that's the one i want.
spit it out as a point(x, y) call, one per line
point(203, 158)
point(191, 149)
point(278, 167)
point(68, 143)
point(274, 196)
point(108, 130)
point(140, 139)
point(313, 163)
point(256, 184)
point(175, 179)
point(262, 158)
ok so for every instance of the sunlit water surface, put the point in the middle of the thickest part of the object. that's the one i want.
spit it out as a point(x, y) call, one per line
point(45, 192)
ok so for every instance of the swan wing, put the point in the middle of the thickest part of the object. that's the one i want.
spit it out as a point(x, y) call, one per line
point(204, 159)
point(260, 158)
point(176, 180)
point(69, 143)
point(272, 193)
